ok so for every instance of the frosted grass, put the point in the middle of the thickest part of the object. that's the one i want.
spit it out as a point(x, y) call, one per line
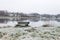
point(30, 33)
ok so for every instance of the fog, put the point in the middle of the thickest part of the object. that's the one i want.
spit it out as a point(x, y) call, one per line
point(29, 6)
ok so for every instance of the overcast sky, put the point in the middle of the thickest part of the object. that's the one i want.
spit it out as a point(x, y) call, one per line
point(28, 6)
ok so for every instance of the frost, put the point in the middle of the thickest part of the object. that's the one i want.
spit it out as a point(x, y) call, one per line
point(30, 33)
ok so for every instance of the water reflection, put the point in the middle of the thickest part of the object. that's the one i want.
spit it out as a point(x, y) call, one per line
point(32, 23)
point(3, 20)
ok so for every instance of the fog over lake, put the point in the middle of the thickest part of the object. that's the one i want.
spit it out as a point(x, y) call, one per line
point(32, 24)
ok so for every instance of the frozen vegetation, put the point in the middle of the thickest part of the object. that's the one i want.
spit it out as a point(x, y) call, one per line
point(30, 33)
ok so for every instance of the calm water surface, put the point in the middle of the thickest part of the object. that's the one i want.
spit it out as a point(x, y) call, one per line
point(33, 24)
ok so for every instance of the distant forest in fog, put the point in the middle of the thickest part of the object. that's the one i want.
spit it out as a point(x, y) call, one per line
point(30, 16)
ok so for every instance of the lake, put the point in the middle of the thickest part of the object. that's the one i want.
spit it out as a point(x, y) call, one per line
point(33, 24)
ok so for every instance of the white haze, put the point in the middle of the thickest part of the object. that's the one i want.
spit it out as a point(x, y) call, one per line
point(28, 6)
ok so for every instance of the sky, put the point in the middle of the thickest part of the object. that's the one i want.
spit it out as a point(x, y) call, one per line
point(29, 6)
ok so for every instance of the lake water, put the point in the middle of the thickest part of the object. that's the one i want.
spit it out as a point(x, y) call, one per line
point(40, 23)
point(33, 24)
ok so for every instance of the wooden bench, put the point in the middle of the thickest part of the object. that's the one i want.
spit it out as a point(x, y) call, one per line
point(22, 24)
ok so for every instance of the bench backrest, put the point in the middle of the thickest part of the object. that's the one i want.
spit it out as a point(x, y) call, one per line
point(23, 22)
